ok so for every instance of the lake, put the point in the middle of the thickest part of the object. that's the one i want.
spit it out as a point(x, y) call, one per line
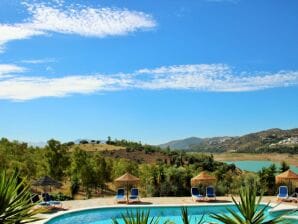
point(256, 165)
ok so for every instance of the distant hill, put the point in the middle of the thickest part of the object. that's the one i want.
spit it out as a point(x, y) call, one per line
point(272, 140)
point(37, 144)
point(186, 143)
point(139, 155)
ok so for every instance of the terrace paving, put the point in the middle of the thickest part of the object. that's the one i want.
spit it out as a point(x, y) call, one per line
point(110, 201)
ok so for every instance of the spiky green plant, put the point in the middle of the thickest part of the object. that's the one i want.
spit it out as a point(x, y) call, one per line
point(250, 211)
point(187, 218)
point(139, 217)
point(15, 200)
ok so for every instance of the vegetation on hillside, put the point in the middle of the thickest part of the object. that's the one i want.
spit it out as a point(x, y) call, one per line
point(167, 173)
point(272, 140)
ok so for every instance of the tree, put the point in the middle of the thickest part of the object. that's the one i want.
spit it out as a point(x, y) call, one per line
point(57, 159)
point(101, 169)
point(15, 200)
point(122, 166)
point(208, 163)
point(284, 166)
point(81, 171)
point(84, 142)
point(249, 208)
point(267, 177)
point(88, 178)
point(109, 141)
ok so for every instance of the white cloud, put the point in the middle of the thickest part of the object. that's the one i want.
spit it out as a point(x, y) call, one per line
point(27, 88)
point(88, 21)
point(79, 20)
point(214, 77)
point(7, 70)
point(15, 32)
point(198, 77)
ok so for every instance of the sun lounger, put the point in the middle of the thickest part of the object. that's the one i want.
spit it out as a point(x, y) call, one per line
point(48, 201)
point(294, 196)
point(210, 193)
point(120, 196)
point(35, 198)
point(283, 193)
point(134, 195)
point(196, 196)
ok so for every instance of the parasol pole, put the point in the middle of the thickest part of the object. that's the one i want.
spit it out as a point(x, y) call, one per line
point(126, 192)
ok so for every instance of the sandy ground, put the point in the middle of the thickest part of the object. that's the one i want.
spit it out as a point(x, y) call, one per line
point(110, 201)
point(275, 157)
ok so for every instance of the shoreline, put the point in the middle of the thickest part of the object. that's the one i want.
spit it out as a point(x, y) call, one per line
point(291, 159)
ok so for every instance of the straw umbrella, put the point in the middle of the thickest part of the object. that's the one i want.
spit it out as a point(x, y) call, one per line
point(127, 179)
point(203, 178)
point(46, 181)
point(288, 176)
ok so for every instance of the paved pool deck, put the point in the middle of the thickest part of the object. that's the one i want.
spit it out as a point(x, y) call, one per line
point(110, 201)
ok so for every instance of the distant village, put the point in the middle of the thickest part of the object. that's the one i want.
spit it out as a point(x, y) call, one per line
point(287, 141)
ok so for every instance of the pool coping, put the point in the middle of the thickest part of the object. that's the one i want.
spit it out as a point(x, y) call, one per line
point(61, 213)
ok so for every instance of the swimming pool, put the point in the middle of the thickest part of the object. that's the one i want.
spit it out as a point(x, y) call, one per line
point(104, 215)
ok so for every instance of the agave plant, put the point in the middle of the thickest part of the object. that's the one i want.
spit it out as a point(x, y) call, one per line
point(140, 217)
point(187, 218)
point(15, 200)
point(250, 211)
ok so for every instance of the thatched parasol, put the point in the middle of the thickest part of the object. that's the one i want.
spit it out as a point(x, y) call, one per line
point(46, 181)
point(203, 178)
point(127, 179)
point(287, 177)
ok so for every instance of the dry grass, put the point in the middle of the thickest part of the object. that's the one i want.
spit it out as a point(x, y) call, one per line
point(97, 147)
point(120, 152)
point(275, 157)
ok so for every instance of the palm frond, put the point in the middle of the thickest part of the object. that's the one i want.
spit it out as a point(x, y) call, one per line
point(139, 217)
point(15, 200)
point(248, 208)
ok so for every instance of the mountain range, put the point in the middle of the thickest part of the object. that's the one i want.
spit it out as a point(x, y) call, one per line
point(268, 140)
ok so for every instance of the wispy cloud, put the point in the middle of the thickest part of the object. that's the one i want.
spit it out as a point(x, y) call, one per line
point(197, 77)
point(75, 19)
point(15, 32)
point(26, 88)
point(87, 21)
point(39, 61)
point(7, 70)
point(214, 77)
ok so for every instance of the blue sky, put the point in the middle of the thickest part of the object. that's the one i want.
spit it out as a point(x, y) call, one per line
point(146, 72)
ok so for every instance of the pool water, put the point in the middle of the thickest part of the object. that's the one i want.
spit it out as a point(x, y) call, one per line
point(171, 213)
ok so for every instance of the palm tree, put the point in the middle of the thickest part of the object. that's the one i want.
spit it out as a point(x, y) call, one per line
point(140, 217)
point(249, 208)
point(15, 200)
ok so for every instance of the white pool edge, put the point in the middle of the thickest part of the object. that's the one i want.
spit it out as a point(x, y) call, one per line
point(60, 213)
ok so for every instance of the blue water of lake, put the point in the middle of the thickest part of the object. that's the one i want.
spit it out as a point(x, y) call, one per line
point(256, 165)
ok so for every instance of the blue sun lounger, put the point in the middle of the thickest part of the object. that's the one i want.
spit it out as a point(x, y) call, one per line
point(210, 193)
point(282, 193)
point(120, 196)
point(48, 201)
point(134, 195)
point(196, 196)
